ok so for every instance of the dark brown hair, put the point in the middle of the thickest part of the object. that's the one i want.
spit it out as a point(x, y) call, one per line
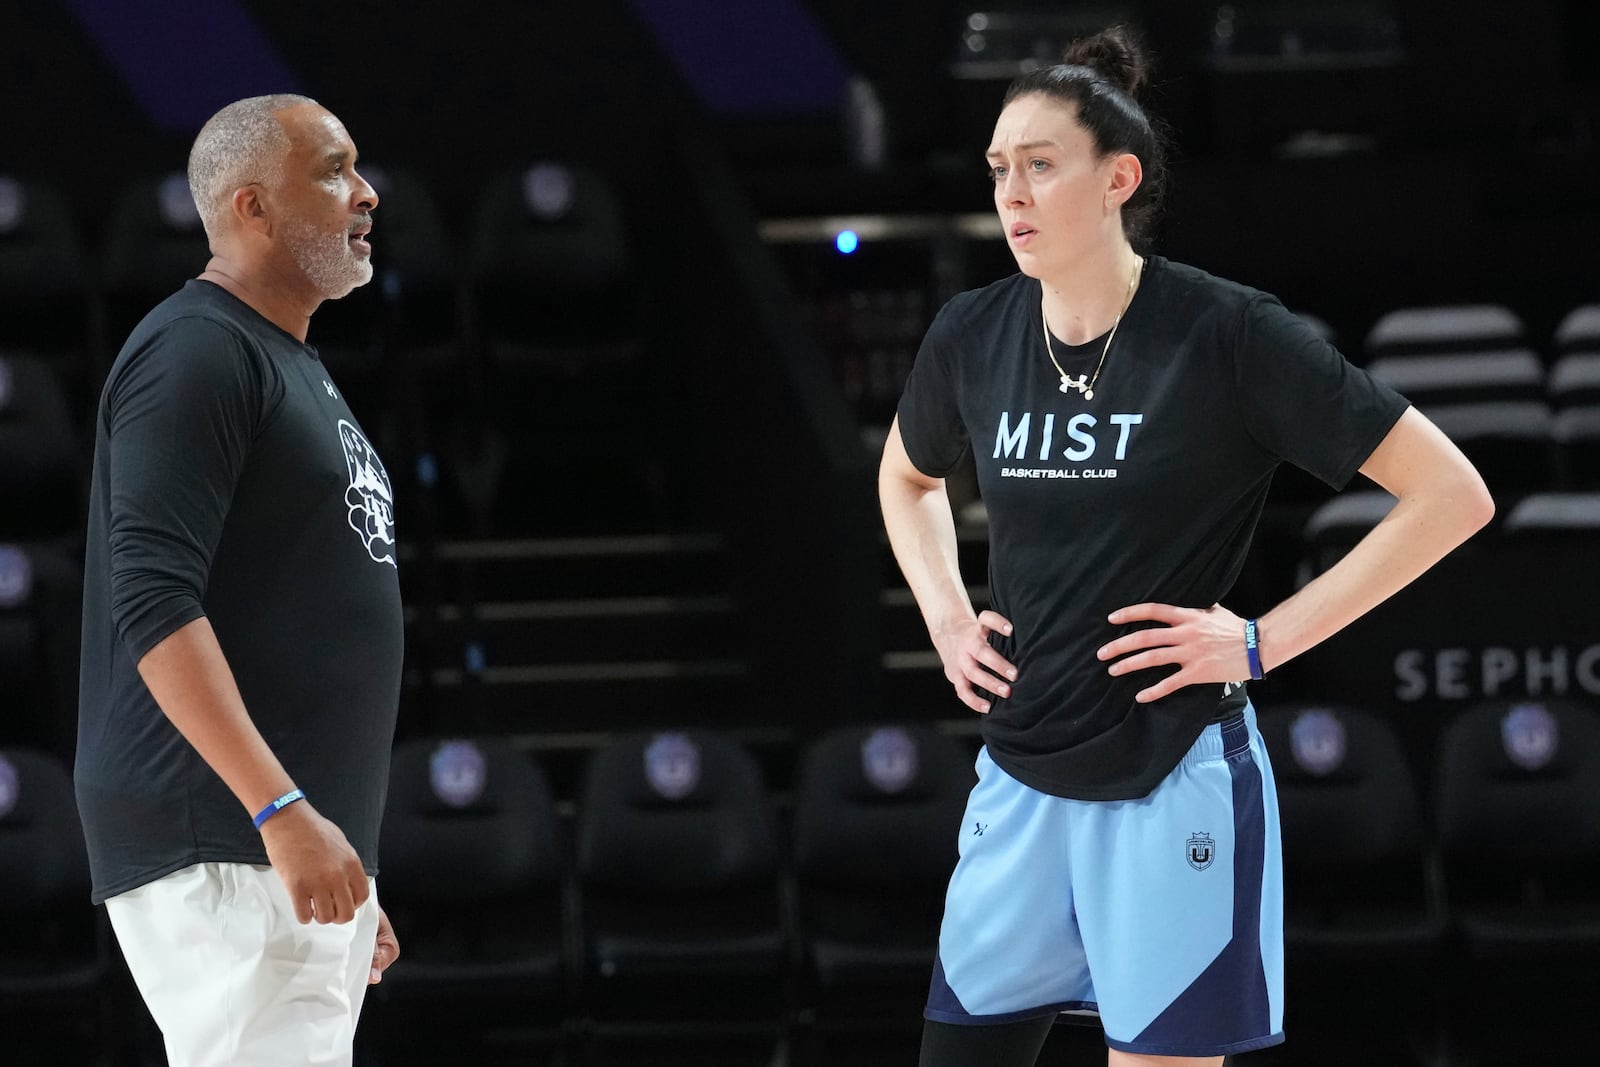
point(1103, 75)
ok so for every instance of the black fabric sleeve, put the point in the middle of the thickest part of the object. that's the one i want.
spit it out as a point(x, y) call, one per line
point(1304, 402)
point(180, 415)
point(930, 415)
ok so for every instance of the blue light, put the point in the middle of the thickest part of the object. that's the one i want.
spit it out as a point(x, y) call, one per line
point(847, 241)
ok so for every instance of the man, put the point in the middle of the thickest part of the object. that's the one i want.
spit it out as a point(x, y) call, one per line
point(242, 620)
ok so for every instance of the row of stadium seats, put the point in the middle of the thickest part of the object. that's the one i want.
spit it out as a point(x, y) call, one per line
point(1464, 328)
point(681, 897)
point(1529, 421)
point(545, 297)
point(438, 356)
point(547, 254)
point(1514, 600)
point(544, 268)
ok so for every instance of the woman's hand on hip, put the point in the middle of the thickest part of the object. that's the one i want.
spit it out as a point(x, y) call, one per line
point(971, 663)
point(1205, 644)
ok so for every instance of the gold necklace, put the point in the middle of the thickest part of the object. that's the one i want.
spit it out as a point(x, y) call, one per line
point(1083, 383)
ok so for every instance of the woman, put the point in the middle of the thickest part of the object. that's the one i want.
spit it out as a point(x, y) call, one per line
point(1120, 853)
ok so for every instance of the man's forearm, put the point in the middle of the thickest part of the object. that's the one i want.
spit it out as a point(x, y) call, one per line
point(191, 681)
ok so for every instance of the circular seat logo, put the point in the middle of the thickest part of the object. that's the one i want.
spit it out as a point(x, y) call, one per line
point(889, 759)
point(10, 787)
point(1317, 741)
point(16, 577)
point(1530, 735)
point(672, 765)
point(458, 773)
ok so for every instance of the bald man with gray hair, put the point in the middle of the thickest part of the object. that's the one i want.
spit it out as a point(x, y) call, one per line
point(241, 661)
point(243, 144)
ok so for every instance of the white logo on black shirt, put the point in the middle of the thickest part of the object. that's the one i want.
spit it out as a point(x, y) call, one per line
point(369, 496)
point(1015, 443)
point(331, 390)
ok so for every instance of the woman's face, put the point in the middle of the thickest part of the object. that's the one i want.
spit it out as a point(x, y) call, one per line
point(1057, 197)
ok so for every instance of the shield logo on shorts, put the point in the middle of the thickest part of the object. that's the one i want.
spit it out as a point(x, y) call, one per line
point(1199, 850)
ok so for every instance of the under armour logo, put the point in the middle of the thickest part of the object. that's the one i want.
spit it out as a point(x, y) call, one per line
point(329, 387)
point(980, 828)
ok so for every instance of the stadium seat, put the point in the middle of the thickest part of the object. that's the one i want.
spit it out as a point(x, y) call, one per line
point(1332, 528)
point(43, 284)
point(1463, 377)
point(1577, 440)
point(473, 878)
point(40, 612)
point(685, 943)
point(57, 998)
point(1517, 804)
point(1444, 329)
point(553, 281)
point(1574, 391)
point(876, 822)
point(558, 310)
point(1556, 513)
point(1579, 330)
point(1511, 442)
point(21, 645)
point(1574, 381)
point(1363, 904)
point(154, 244)
point(40, 453)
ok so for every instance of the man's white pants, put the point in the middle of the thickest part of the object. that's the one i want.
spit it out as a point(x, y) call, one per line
point(233, 978)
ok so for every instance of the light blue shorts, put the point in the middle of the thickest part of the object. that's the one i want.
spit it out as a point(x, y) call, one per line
point(1162, 915)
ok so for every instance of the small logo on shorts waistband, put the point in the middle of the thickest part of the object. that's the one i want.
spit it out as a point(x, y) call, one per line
point(1200, 850)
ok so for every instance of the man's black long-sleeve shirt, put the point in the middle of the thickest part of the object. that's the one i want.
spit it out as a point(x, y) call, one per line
point(231, 481)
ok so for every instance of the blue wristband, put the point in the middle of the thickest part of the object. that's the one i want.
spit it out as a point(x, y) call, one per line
point(272, 809)
point(1252, 649)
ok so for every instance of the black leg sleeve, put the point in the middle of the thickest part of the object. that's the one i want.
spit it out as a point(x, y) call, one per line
point(1001, 1045)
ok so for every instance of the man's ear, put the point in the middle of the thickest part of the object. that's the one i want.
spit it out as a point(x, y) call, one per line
point(250, 208)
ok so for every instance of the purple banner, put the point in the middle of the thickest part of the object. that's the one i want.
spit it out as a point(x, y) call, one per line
point(749, 58)
point(181, 60)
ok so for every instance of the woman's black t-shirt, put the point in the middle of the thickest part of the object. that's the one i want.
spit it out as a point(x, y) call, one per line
point(1148, 492)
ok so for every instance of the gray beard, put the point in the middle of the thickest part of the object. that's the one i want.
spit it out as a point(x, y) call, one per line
point(328, 261)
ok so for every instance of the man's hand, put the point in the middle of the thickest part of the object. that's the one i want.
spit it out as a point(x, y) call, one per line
point(318, 867)
point(386, 951)
point(1206, 644)
point(970, 661)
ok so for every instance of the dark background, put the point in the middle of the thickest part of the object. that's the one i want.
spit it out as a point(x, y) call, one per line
point(1404, 153)
point(723, 564)
point(1399, 154)
point(1477, 182)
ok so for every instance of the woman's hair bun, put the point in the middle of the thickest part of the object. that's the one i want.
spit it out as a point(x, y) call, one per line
point(1116, 55)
